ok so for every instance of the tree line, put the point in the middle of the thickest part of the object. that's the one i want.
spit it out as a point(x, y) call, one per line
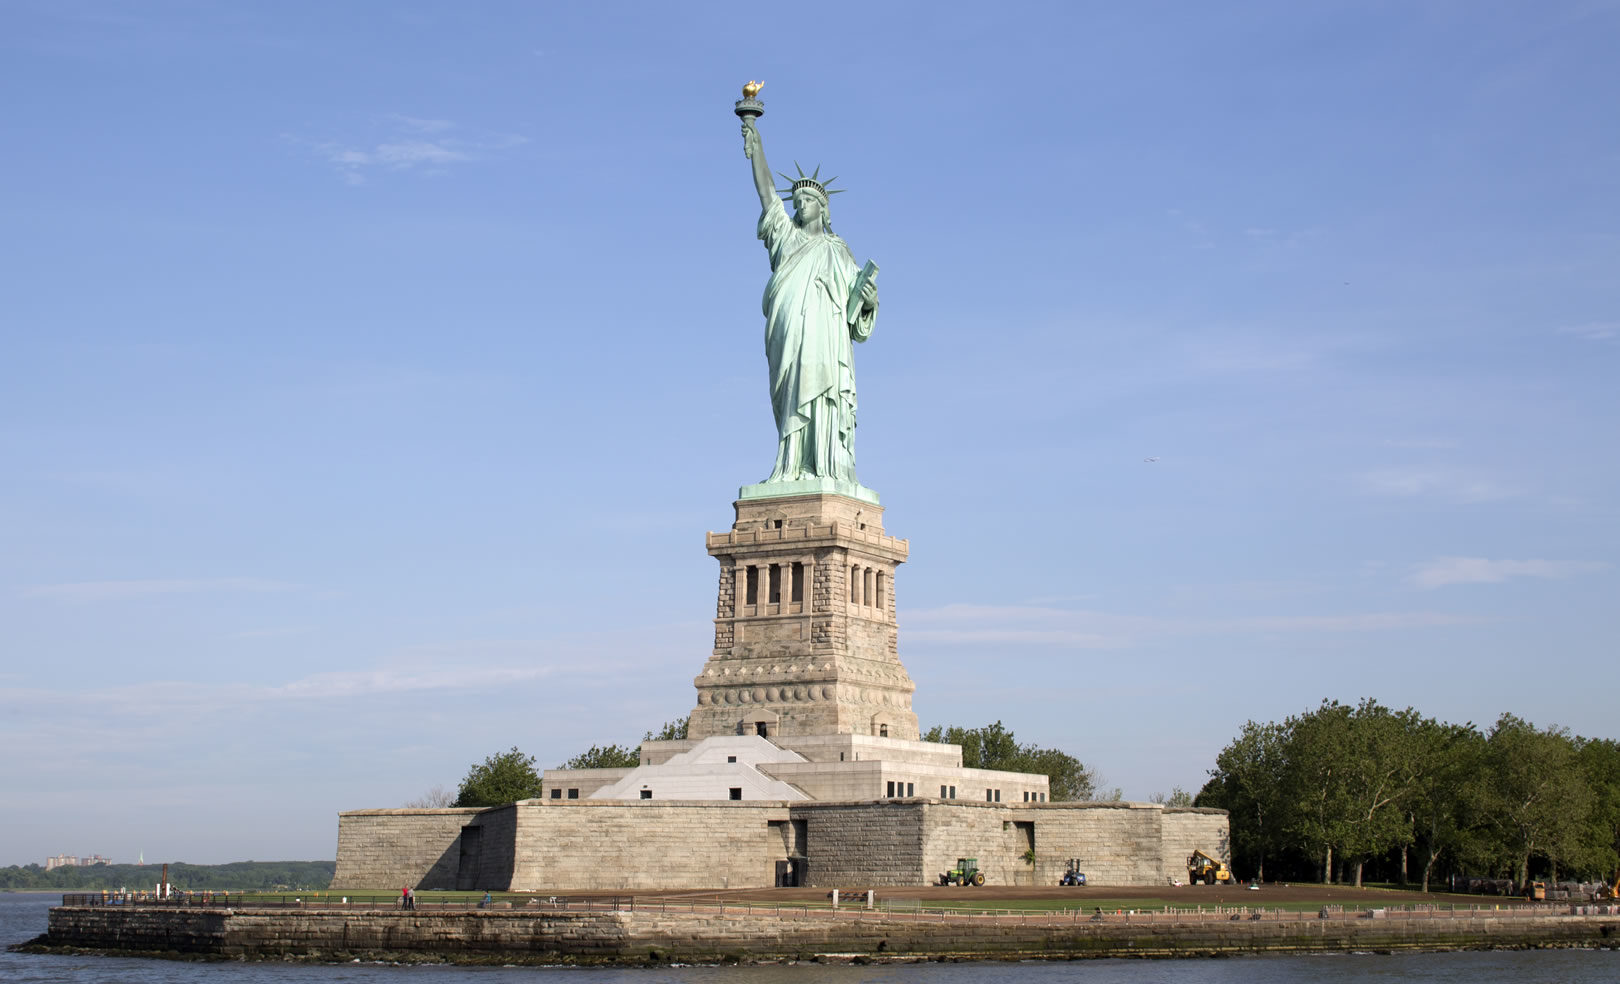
point(247, 876)
point(509, 776)
point(1340, 791)
point(994, 747)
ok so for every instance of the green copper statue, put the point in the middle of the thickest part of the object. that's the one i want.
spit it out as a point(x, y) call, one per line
point(817, 303)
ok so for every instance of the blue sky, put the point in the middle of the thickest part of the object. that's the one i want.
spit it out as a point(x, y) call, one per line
point(373, 371)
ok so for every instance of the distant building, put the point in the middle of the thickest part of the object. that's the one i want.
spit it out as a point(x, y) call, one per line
point(70, 860)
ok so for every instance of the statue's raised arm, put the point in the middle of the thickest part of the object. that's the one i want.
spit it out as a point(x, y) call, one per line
point(755, 149)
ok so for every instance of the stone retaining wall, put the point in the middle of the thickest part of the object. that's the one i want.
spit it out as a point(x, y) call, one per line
point(863, 843)
point(1117, 843)
point(388, 848)
point(546, 845)
point(646, 934)
point(1188, 829)
point(614, 844)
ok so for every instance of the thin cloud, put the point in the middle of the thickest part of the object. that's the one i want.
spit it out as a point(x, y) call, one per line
point(413, 152)
point(167, 698)
point(276, 633)
point(327, 686)
point(1362, 622)
point(1420, 443)
point(1025, 625)
point(98, 591)
point(417, 124)
point(1436, 483)
point(1442, 571)
point(397, 156)
point(1234, 355)
point(1225, 349)
point(1019, 625)
point(1192, 227)
point(410, 144)
point(1594, 331)
point(959, 613)
point(1016, 637)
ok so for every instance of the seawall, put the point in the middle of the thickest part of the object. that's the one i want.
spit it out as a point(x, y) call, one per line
point(712, 933)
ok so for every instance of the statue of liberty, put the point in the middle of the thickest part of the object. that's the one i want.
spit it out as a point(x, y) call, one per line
point(817, 303)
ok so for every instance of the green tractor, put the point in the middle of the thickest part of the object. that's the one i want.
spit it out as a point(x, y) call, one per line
point(966, 872)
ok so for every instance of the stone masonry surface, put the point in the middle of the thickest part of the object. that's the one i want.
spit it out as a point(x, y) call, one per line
point(386, 848)
point(611, 844)
point(805, 637)
point(615, 844)
point(863, 843)
point(697, 933)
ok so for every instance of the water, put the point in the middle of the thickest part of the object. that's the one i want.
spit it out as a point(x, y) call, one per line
point(22, 917)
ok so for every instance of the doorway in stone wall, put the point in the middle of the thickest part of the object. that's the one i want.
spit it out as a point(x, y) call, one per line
point(1023, 849)
point(470, 856)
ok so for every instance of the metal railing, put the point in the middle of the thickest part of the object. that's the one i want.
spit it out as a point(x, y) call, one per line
point(909, 909)
point(358, 901)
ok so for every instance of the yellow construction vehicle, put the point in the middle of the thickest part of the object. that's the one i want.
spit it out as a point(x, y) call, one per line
point(1203, 869)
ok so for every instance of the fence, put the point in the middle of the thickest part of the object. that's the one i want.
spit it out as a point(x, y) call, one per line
point(909, 909)
point(326, 900)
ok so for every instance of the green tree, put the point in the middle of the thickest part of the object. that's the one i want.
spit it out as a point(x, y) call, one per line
point(1381, 763)
point(994, 747)
point(1351, 773)
point(1176, 797)
point(671, 731)
point(1316, 798)
point(1339, 787)
point(1600, 762)
point(500, 779)
point(623, 756)
point(1445, 792)
point(605, 757)
point(1068, 779)
point(1248, 782)
point(1539, 800)
point(989, 747)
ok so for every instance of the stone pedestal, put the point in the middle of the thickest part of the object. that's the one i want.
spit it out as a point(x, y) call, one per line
point(805, 640)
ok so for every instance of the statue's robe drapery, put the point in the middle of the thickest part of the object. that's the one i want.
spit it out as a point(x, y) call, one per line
point(808, 343)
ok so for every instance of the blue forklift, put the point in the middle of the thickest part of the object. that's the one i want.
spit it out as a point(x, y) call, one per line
point(1074, 876)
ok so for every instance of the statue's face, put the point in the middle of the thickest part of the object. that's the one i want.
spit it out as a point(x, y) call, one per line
point(807, 209)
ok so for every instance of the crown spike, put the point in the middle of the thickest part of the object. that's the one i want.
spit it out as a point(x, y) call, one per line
point(811, 181)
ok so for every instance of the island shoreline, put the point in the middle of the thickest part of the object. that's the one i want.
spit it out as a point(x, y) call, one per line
point(736, 934)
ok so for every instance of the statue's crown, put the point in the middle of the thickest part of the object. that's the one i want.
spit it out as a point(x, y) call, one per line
point(811, 181)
